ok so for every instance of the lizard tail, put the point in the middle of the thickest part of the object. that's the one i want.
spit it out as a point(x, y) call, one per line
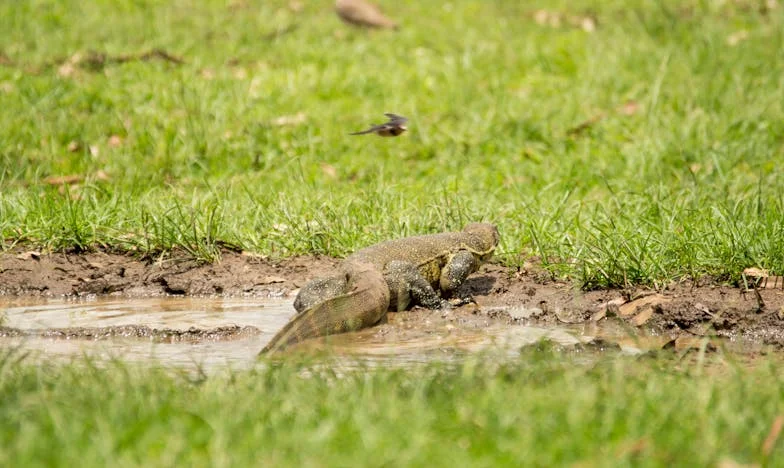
point(362, 307)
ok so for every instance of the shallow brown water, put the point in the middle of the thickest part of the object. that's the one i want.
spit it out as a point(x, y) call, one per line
point(216, 333)
point(171, 312)
point(199, 316)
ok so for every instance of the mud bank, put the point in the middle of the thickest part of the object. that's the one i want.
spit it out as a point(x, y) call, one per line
point(504, 296)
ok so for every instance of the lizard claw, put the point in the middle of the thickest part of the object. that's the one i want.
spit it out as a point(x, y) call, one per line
point(461, 301)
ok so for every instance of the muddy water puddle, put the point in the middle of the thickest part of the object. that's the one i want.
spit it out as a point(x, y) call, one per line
point(215, 333)
point(211, 332)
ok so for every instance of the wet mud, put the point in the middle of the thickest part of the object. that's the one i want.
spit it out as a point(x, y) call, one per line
point(157, 335)
point(504, 297)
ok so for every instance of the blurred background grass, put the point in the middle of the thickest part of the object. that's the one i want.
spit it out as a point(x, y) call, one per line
point(616, 142)
point(546, 408)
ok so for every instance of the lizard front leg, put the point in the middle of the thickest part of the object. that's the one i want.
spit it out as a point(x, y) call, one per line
point(407, 285)
point(457, 269)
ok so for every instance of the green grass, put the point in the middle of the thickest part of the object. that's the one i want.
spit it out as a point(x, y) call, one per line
point(543, 409)
point(686, 186)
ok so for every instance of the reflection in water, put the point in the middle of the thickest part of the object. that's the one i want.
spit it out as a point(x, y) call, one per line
point(268, 316)
point(159, 312)
point(371, 346)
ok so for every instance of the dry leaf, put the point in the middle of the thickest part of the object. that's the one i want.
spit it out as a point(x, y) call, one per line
point(93, 150)
point(753, 277)
point(101, 175)
point(629, 108)
point(641, 318)
point(540, 16)
point(634, 448)
point(547, 18)
point(70, 192)
point(598, 315)
point(34, 254)
point(729, 463)
point(578, 129)
point(115, 141)
point(738, 37)
point(63, 180)
point(363, 13)
point(773, 282)
point(755, 272)
point(773, 435)
point(587, 23)
point(555, 19)
point(73, 146)
point(245, 253)
point(640, 304)
point(272, 279)
point(683, 343)
point(239, 73)
point(329, 170)
point(609, 308)
point(618, 301)
point(295, 119)
point(66, 70)
point(238, 5)
point(296, 6)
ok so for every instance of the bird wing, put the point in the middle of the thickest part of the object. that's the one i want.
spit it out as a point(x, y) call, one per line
point(396, 118)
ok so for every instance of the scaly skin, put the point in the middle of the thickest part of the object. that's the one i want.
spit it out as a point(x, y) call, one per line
point(362, 300)
point(391, 275)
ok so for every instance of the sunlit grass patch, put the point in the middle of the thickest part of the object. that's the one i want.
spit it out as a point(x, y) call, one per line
point(619, 143)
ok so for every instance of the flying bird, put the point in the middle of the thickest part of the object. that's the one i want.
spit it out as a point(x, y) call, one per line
point(395, 127)
point(363, 13)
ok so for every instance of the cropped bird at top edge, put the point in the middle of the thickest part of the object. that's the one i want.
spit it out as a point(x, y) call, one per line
point(395, 127)
point(363, 13)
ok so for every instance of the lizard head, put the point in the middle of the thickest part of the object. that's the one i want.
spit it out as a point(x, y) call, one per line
point(484, 238)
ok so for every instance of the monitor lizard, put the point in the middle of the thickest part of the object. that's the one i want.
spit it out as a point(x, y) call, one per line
point(391, 275)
